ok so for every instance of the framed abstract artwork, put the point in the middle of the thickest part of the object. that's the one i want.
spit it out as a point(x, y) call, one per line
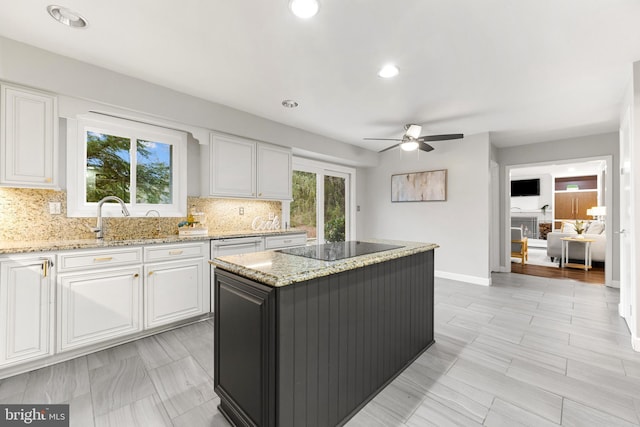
point(428, 186)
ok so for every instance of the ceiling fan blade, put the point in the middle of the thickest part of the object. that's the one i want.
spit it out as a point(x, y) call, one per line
point(441, 137)
point(424, 146)
point(382, 139)
point(389, 148)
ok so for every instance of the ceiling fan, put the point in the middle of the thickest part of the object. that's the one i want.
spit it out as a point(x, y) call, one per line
point(411, 140)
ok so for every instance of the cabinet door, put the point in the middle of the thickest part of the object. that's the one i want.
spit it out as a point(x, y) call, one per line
point(585, 200)
point(274, 172)
point(98, 305)
point(564, 206)
point(232, 167)
point(28, 138)
point(25, 288)
point(174, 291)
point(574, 204)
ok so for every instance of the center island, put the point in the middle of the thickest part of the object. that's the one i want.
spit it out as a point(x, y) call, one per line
point(307, 336)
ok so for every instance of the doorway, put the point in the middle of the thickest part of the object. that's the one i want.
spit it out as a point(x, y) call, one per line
point(549, 201)
point(322, 201)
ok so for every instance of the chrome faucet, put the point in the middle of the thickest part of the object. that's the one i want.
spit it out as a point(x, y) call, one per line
point(99, 228)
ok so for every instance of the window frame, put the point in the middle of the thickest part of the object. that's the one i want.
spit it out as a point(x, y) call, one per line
point(77, 129)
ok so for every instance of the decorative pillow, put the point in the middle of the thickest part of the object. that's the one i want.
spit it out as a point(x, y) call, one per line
point(595, 227)
point(568, 227)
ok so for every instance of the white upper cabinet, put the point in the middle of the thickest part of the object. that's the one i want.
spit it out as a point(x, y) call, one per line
point(274, 172)
point(28, 138)
point(233, 167)
point(239, 167)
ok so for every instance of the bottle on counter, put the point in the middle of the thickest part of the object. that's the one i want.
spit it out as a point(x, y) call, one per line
point(191, 220)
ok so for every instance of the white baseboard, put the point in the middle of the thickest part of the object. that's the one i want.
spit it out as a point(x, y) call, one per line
point(620, 311)
point(614, 284)
point(464, 278)
point(635, 343)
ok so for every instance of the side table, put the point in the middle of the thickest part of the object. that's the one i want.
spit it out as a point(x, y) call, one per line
point(564, 259)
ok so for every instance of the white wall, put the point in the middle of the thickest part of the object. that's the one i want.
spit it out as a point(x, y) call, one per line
point(37, 68)
point(567, 149)
point(460, 225)
point(534, 203)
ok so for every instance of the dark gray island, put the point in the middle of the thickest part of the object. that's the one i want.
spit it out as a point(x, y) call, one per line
point(307, 342)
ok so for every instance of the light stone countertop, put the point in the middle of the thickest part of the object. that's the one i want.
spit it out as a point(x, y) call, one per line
point(277, 269)
point(15, 247)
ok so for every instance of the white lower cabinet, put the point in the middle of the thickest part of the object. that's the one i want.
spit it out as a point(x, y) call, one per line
point(173, 291)
point(25, 313)
point(98, 305)
point(133, 289)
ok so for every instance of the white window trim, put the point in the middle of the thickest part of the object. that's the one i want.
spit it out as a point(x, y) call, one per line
point(76, 165)
point(324, 168)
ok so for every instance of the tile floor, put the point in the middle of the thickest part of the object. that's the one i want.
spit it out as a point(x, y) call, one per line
point(526, 351)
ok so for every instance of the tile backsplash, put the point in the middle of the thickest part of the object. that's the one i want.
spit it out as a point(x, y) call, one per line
point(24, 216)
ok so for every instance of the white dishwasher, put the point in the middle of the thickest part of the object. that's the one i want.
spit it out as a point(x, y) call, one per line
point(232, 246)
point(236, 245)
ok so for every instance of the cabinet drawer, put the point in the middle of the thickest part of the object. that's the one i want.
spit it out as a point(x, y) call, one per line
point(173, 252)
point(103, 258)
point(275, 242)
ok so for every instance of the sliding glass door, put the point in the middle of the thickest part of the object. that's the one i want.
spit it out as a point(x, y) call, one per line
point(335, 210)
point(321, 202)
point(303, 208)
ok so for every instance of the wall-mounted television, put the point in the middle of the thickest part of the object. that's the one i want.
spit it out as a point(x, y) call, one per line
point(525, 187)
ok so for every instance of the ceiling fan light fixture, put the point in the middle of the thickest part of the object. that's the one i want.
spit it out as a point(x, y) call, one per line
point(409, 146)
point(304, 9)
point(388, 71)
point(413, 131)
point(67, 16)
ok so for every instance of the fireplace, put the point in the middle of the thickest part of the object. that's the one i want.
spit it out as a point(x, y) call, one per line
point(529, 225)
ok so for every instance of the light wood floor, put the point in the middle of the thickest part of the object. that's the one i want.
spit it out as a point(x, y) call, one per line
point(594, 276)
point(526, 351)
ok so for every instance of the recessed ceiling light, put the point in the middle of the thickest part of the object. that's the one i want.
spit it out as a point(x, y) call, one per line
point(304, 9)
point(388, 71)
point(67, 17)
point(289, 103)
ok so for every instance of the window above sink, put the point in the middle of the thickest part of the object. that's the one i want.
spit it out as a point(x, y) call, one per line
point(144, 165)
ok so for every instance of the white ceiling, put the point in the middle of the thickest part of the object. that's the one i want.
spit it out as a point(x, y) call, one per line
point(591, 167)
point(525, 70)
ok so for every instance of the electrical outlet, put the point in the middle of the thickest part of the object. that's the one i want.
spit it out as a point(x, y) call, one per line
point(55, 208)
point(241, 211)
point(271, 216)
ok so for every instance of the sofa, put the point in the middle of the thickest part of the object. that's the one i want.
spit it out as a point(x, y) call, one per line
point(594, 231)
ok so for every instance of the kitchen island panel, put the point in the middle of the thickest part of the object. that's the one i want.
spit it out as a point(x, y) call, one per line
point(244, 328)
point(342, 338)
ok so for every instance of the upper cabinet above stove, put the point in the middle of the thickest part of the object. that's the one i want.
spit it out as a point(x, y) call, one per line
point(28, 138)
point(237, 167)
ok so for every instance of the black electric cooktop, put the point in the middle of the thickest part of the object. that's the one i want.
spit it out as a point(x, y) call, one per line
point(338, 250)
